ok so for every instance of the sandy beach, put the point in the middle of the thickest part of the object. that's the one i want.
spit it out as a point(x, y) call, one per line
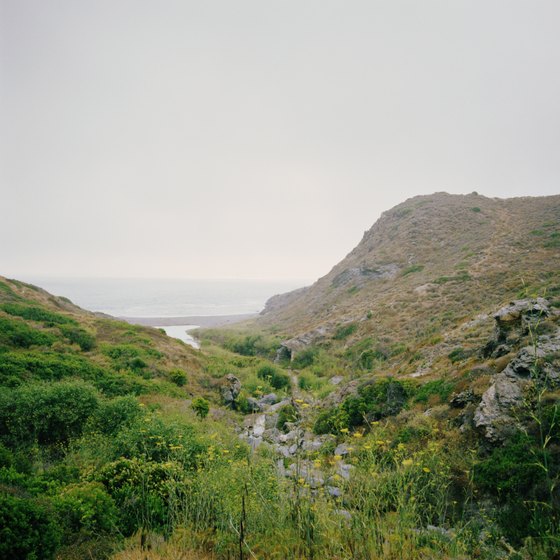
point(200, 321)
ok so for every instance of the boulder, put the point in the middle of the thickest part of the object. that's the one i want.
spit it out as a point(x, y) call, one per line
point(230, 389)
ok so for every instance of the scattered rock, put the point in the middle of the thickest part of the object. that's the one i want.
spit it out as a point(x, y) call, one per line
point(336, 379)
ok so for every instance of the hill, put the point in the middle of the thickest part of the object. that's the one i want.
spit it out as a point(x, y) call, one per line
point(432, 259)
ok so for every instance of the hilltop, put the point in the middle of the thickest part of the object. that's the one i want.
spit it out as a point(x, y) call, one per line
point(433, 258)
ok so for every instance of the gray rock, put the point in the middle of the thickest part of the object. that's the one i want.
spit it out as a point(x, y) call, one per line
point(341, 450)
point(267, 400)
point(334, 491)
point(493, 415)
point(517, 317)
point(253, 405)
point(276, 407)
point(336, 380)
point(344, 469)
point(230, 389)
point(270, 421)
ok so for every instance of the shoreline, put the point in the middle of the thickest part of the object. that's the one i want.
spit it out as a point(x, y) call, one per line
point(199, 320)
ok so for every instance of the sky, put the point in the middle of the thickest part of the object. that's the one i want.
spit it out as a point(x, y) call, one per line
point(259, 138)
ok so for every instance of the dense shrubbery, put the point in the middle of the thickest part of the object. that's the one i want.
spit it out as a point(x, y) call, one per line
point(27, 529)
point(375, 400)
point(274, 376)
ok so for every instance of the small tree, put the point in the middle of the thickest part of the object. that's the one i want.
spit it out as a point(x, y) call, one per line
point(201, 407)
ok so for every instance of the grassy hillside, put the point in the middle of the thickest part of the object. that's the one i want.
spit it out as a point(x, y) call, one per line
point(395, 409)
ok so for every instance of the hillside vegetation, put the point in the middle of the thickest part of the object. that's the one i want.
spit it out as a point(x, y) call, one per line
point(404, 406)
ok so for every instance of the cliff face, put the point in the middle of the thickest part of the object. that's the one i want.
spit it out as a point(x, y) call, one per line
point(430, 260)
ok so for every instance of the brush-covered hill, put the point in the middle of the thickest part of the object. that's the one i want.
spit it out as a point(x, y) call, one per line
point(431, 260)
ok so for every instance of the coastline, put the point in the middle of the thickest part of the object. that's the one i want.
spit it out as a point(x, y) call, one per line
point(200, 320)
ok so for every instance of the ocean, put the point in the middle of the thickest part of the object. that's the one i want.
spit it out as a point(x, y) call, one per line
point(166, 297)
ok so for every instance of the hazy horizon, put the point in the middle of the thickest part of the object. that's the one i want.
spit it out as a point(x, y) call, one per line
point(255, 140)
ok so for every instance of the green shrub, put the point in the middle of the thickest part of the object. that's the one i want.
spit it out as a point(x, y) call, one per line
point(412, 269)
point(27, 529)
point(46, 413)
point(308, 381)
point(287, 413)
point(39, 314)
point(276, 378)
point(79, 336)
point(305, 358)
point(439, 387)
point(201, 407)
point(344, 331)
point(85, 510)
point(457, 355)
point(113, 415)
point(178, 376)
point(14, 332)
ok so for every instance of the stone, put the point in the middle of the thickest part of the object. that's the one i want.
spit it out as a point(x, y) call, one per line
point(515, 319)
point(341, 450)
point(334, 492)
point(230, 389)
point(267, 400)
point(336, 380)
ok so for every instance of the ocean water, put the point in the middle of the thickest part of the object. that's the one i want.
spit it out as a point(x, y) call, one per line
point(166, 297)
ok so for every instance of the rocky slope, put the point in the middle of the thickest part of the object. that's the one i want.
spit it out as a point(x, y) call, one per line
point(431, 261)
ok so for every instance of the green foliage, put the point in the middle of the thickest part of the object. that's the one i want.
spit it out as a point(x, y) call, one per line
point(510, 471)
point(85, 510)
point(458, 354)
point(35, 313)
point(178, 376)
point(113, 415)
point(308, 381)
point(27, 529)
point(46, 413)
point(375, 400)
point(143, 490)
point(79, 336)
point(461, 277)
point(475, 209)
point(439, 387)
point(17, 333)
point(287, 413)
point(344, 331)
point(305, 358)
point(276, 378)
point(201, 407)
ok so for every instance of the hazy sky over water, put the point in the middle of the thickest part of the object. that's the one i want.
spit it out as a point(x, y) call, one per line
point(259, 139)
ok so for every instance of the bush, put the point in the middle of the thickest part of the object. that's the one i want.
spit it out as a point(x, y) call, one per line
point(39, 314)
point(79, 336)
point(14, 332)
point(178, 376)
point(46, 413)
point(344, 331)
point(438, 387)
point(274, 376)
point(115, 414)
point(287, 413)
point(85, 510)
point(27, 529)
point(201, 407)
point(305, 358)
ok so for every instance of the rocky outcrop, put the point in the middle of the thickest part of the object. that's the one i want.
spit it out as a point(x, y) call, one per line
point(230, 389)
point(499, 412)
point(359, 275)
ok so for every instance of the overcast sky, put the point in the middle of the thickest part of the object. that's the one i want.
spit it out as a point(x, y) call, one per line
point(259, 139)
